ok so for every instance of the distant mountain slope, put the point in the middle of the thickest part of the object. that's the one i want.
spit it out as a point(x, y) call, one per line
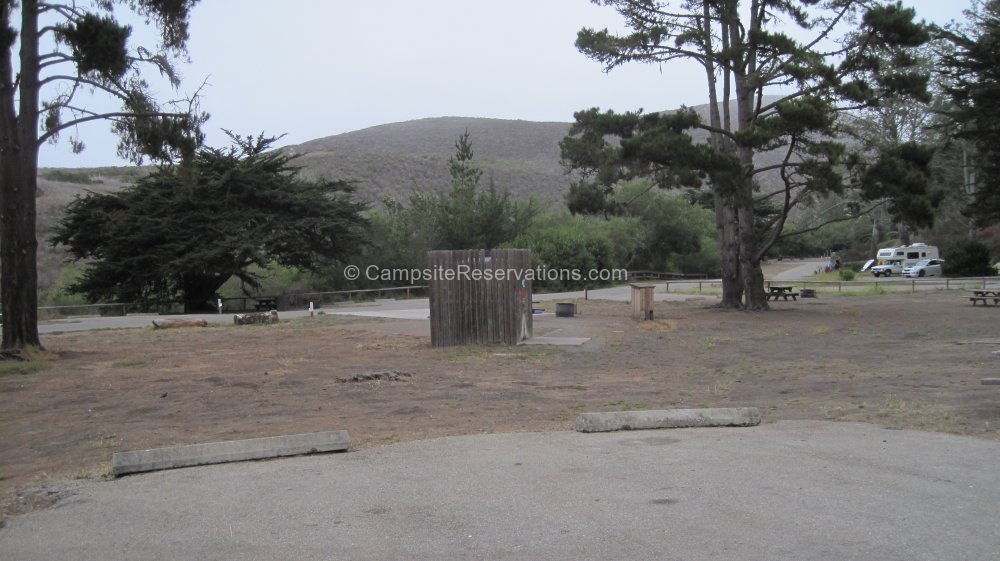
point(394, 159)
point(53, 196)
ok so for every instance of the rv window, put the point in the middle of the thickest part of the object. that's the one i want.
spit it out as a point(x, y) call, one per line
point(913, 255)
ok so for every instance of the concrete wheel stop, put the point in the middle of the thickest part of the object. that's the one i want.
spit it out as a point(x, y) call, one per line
point(154, 459)
point(668, 419)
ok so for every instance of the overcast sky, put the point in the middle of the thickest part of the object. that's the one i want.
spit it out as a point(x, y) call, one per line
point(315, 68)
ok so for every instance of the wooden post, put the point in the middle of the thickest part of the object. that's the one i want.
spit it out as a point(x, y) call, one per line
point(642, 302)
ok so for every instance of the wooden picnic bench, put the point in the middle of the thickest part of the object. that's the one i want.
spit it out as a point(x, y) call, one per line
point(266, 304)
point(985, 296)
point(775, 292)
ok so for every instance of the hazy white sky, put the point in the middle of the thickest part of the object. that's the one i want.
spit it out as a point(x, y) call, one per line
point(315, 68)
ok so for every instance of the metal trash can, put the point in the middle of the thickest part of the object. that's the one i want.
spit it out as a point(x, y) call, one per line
point(565, 309)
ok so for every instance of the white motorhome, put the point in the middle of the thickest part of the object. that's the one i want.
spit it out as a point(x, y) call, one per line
point(892, 260)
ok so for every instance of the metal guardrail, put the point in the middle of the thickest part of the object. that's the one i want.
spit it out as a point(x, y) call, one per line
point(319, 299)
point(50, 312)
point(945, 283)
point(231, 305)
point(663, 275)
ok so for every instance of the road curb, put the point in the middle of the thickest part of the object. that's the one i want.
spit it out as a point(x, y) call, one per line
point(137, 461)
point(668, 419)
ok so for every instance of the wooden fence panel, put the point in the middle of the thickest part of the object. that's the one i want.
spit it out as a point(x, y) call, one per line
point(486, 299)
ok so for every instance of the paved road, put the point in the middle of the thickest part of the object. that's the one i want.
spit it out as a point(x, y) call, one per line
point(787, 491)
point(418, 308)
point(85, 323)
point(414, 308)
point(800, 271)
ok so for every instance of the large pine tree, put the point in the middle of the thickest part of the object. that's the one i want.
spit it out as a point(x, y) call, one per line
point(49, 53)
point(181, 232)
point(971, 76)
point(819, 58)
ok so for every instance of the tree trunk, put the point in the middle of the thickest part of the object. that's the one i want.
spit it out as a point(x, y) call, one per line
point(18, 185)
point(725, 219)
point(904, 234)
point(751, 275)
point(969, 180)
point(729, 251)
point(876, 237)
point(199, 291)
point(19, 289)
point(161, 323)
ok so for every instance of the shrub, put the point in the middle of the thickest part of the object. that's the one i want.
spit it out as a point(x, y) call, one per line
point(846, 274)
point(69, 176)
point(968, 258)
point(562, 242)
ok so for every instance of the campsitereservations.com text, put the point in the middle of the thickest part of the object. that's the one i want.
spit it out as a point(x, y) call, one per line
point(465, 272)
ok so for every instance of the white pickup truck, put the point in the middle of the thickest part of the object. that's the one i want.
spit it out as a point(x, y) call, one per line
point(887, 269)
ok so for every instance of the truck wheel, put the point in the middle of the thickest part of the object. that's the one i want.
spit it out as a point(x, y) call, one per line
point(887, 273)
point(920, 273)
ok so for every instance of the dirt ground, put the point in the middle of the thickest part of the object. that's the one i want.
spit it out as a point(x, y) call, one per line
point(908, 361)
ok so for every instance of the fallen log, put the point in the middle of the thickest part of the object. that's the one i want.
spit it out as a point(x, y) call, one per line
point(258, 318)
point(161, 323)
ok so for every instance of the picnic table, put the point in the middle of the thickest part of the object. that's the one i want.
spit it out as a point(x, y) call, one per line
point(984, 296)
point(775, 292)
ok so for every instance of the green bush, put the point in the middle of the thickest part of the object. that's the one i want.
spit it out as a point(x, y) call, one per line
point(57, 295)
point(563, 242)
point(675, 235)
point(968, 258)
point(846, 274)
point(69, 176)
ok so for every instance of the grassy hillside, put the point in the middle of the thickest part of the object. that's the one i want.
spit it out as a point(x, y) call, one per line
point(56, 189)
point(392, 160)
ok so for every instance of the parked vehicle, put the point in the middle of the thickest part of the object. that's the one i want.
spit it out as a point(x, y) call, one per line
point(925, 268)
point(908, 254)
point(893, 267)
point(895, 260)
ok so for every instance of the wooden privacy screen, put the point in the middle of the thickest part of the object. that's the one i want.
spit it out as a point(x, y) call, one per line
point(480, 297)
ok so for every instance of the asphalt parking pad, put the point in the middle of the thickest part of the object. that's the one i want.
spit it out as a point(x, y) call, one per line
point(795, 490)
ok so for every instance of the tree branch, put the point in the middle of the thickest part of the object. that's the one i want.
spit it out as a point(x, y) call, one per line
point(709, 128)
point(107, 116)
point(831, 221)
point(69, 12)
point(85, 81)
point(779, 223)
point(58, 56)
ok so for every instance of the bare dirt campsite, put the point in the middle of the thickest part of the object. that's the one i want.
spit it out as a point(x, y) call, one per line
point(905, 360)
